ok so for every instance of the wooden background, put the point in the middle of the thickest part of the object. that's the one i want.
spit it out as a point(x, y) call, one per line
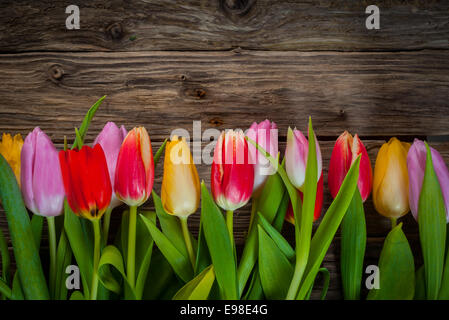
point(227, 63)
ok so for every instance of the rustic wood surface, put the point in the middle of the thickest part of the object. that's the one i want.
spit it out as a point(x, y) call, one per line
point(227, 63)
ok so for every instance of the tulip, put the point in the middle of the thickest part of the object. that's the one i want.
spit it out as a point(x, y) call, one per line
point(390, 185)
point(296, 157)
point(345, 152)
point(134, 175)
point(111, 139)
point(416, 162)
point(86, 181)
point(266, 136)
point(41, 178)
point(232, 176)
point(42, 187)
point(180, 193)
point(10, 149)
point(289, 216)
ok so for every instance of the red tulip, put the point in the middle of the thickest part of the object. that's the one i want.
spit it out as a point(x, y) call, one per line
point(345, 152)
point(86, 181)
point(232, 176)
point(318, 203)
point(134, 175)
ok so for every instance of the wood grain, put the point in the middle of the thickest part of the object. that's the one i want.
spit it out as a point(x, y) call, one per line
point(305, 25)
point(374, 94)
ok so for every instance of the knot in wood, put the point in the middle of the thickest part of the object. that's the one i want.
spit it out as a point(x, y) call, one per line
point(56, 72)
point(115, 30)
point(238, 8)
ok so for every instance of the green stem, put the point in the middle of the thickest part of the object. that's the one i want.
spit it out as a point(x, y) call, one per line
point(394, 222)
point(106, 223)
point(296, 281)
point(97, 239)
point(52, 245)
point(188, 240)
point(230, 224)
point(131, 261)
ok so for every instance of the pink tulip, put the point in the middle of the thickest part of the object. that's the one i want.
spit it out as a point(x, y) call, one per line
point(111, 139)
point(41, 178)
point(416, 164)
point(296, 157)
point(266, 136)
point(232, 176)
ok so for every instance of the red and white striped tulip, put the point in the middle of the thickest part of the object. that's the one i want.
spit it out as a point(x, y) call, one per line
point(232, 175)
point(345, 152)
point(134, 175)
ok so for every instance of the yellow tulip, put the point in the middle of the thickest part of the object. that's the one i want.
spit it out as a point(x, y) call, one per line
point(10, 149)
point(390, 185)
point(180, 193)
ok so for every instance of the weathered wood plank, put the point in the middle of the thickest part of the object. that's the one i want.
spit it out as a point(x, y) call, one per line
point(369, 93)
point(223, 24)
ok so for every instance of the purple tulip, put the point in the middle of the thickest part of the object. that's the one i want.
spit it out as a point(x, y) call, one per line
point(41, 178)
point(111, 139)
point(266, 135)
point(416, 163)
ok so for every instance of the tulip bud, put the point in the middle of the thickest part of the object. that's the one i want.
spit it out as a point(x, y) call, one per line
point(180, 193)
point(134, 175)
point(41, 177)
point(111, 139)
point(344, 154)
point(266, 136)
point(390, 185)
point(416, 163)
point(296, 157)
point(86, 181)
point(289, 216)
point(10, 149)
point(232, 176)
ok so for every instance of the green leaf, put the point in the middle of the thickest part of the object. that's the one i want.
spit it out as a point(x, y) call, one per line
point(274, 268)
point(78, 240)
point(170, 226)
point(160, 277)
point(87, 120)
point(278, 222)
point(6, 259)
point(111, 257)
point(77, 295)
point(219, 244)
point(144, 250)
point(5, 290)
point(328, 227)
point(203, 258)
point(255, 290)
point(278, 239)
point(17, 291)
point(180, 264)
point(326, 281)
point(267, 204)
point(432, 228)
point(444, 290)
point(199, 287)
point(37, 223)
point(25, 251)
point(63, 259)
point(420, 285)
point(353, 243)
point(159, 152)
point(396, 269)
